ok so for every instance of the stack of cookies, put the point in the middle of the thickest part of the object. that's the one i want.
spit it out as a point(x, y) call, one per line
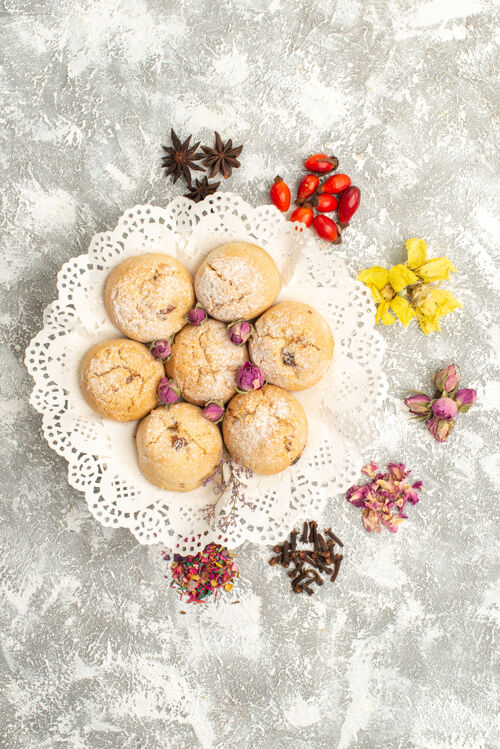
point(148, 298)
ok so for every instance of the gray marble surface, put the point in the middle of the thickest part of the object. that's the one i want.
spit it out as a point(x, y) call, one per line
point(94, 652)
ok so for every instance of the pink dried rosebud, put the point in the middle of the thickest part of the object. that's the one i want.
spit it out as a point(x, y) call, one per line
point(161, 350)
point(447, 379)
point(196, 315)
point(249, 377)
point(168, 392)
point(240, 332)
point(440, 429)
point(445, 409)
point(465, 399)
point(214, 411)
point(419, 405)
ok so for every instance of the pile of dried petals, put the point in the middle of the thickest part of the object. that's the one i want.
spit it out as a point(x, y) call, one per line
point(384, 497)
point(440, 412)
point(198, 577)
point(407, 289)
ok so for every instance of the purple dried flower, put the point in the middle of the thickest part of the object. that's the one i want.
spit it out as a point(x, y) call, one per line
point(447, 379)
point(240, 332)
point(445, 408)
point(357, 494)
point(440, 429)
point(196, 315)
point(397, 471)
point(419, 405)
point(250, 377)
point(465, 399)
point(168, 391)
point(161, 350)
point(214, 411)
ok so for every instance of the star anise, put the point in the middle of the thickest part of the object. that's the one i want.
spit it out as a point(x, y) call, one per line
point(222, 158)
point(201, 189)
point(181, 158)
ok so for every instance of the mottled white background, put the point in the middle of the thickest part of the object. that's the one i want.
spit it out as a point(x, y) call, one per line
point(398, 654)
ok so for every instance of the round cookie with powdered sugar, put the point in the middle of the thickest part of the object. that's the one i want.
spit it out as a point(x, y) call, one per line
point(237, 281)
point(205, 363)
point(177, 447)
point(265, 430)
point(292, 345)
point(148, 296)
point(119, 379)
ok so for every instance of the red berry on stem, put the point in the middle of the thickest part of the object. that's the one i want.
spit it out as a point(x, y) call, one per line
point(349, 203)
point(326, 228)
point(321, 163)
point(304, 214)
point(326, 202)
point(280, 194)
point(307, 187)
point(336, 183)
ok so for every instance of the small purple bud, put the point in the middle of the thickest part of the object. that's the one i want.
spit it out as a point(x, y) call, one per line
point(465, 399)
point(440, 429)
point(447, 379)
point(168, 392)
point(214, 411)
point(240, 332)
point(196, 315)
point(250, 377)
point(445, 408)
point(161, 350)
point(420, 404)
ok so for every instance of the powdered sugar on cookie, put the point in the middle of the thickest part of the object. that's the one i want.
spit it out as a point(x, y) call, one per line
point(205, 363)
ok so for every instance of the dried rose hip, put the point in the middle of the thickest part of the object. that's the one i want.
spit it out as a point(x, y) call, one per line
point(304, 214)
point(326, 202)
point(307, 187)
point(321, 163)
point(280, 194)
point(336, 183)
point(326, 229)
point(349, 203)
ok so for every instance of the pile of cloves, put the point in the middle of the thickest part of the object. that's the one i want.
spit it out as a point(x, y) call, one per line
point(308, 563)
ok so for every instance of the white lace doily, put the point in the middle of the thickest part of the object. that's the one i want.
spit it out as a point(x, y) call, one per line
point(101, 454)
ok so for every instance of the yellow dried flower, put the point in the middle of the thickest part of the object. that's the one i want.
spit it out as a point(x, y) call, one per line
point(406, 289)
point(385, 285)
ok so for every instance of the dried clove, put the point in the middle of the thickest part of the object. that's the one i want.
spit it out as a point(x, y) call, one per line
point(336, 570)
point(299, 578)
point(293, 540)
point(308, 590)
point(312, 561)
point(305, 530)
point(317, 577)
point(286, 554)
point(322, 544)
point(330, 533)
point(313, 533)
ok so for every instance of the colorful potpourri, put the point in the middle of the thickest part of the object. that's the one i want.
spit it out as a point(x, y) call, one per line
point(203, 575)
point(383, 499)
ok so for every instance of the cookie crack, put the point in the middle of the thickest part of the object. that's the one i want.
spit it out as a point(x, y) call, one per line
point(224, 279)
